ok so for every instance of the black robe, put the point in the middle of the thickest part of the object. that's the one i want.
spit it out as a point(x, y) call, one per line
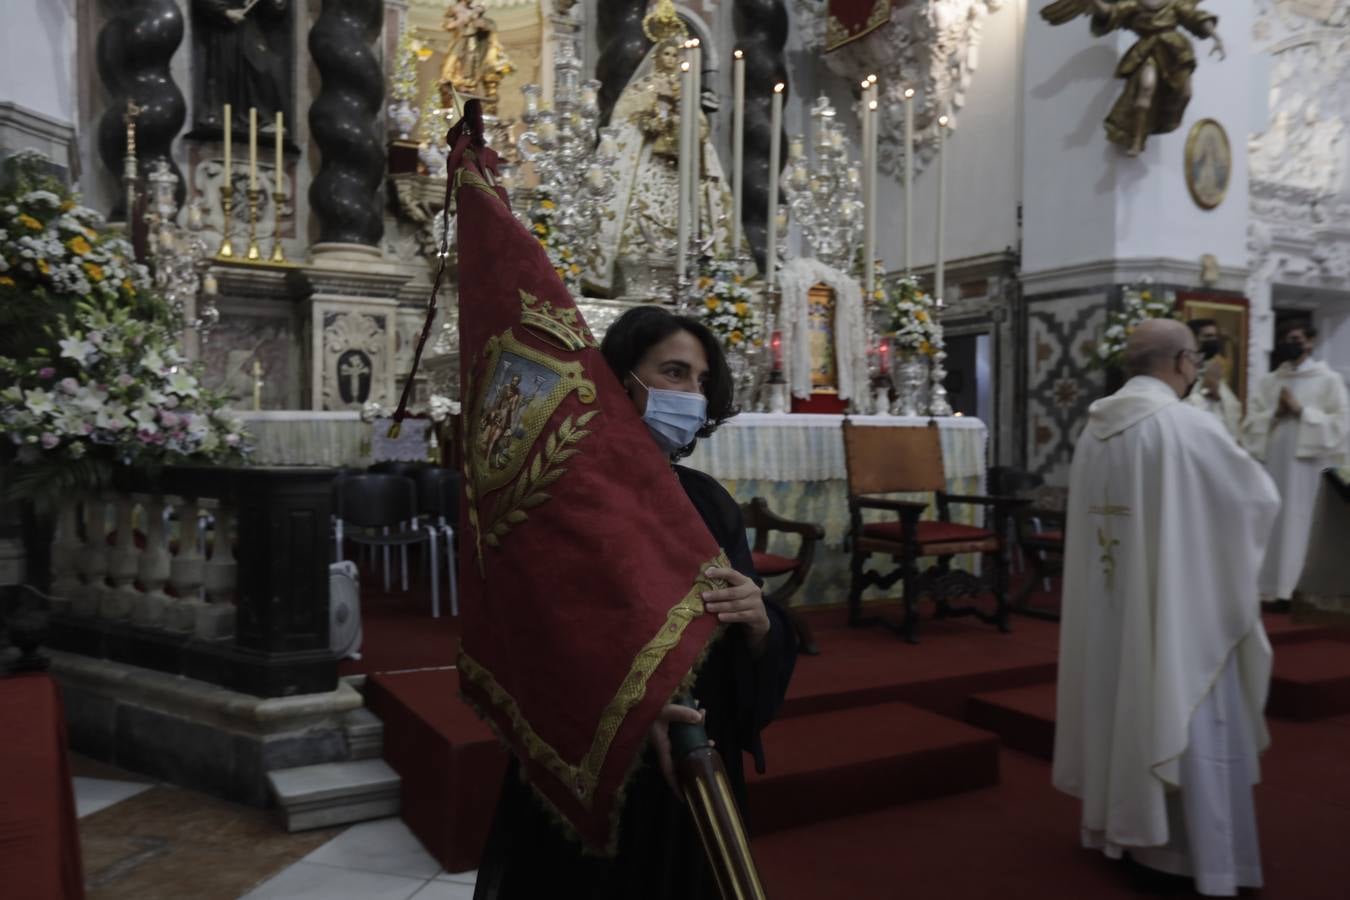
point(659, 856)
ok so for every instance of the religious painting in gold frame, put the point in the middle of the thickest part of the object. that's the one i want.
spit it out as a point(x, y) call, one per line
point(1209, 163)
point(1232, 315)
point(820, 325)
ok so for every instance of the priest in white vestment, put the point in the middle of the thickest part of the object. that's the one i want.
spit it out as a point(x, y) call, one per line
point(1163, 662)
point(1298, 423)
point(1212, 392)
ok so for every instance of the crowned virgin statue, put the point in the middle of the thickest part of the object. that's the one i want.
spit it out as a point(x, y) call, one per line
point(640, 232)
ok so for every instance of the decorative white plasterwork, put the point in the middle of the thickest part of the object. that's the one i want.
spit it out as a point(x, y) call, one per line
point(1298, 230)
point(930, 45)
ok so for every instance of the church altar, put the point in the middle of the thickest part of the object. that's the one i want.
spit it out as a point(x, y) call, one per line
point(796, 462)
point(308, 438)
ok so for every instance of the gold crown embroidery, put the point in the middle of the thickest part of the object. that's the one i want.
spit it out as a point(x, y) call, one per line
point(663, 22)
point(565, 326)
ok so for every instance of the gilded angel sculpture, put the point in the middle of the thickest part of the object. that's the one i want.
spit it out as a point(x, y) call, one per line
point(476, 62)
point(1157, 69)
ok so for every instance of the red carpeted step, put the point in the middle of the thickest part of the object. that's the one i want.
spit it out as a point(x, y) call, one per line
point(451, 765)
point(1023, 718)
point(1311, 680)
point(852, 761)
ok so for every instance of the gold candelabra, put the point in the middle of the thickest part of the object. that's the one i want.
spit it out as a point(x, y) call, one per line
point(278, 254)
point(254, 254)
point(226, 250)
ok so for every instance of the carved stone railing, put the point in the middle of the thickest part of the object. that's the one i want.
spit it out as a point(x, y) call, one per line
point(216, 574)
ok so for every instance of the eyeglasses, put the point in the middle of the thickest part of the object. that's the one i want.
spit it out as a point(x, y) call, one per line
point(1195, 356)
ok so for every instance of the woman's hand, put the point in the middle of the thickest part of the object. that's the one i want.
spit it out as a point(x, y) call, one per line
point(741, 601)
point(660, 737)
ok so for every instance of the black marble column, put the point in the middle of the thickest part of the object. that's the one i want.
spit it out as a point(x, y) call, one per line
point(134, 50)
point(344, 121)
point(761, 31)
point(618, 31)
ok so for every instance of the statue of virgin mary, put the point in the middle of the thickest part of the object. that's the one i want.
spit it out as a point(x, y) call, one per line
point(640, 229)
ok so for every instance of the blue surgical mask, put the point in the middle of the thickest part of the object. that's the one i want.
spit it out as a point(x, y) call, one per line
point(673, 417)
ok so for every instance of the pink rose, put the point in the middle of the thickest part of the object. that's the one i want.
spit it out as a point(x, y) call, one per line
point(70, 385)
point(46, 372)
point(168, 419)
point(50, 440)
point(125, 380)
point(232, 439)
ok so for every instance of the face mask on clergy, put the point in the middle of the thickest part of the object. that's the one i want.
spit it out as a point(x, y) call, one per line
point(1210, 348)
point(673, 417)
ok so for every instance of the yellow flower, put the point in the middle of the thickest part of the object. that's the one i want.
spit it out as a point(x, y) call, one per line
point(547, 204)
point(704, 281)
point(735, 337)
point(921, 316)
point(43, 267)
point(6, 281)
point(576, 269)
point(926, 348)
point(712, 303)
point(29, 222)
point(1146, 296)
point(742, 309)
point(94, 272)
point(736, 279)
point(540, 229)
point(128, 287)
point(79, 246)
point(67, 205)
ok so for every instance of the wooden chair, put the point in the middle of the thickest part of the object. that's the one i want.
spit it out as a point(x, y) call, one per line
point(1040, 535)
point(769, 565)
point(889, 460)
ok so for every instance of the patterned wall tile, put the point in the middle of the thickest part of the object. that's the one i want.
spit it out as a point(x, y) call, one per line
point(1061, 336)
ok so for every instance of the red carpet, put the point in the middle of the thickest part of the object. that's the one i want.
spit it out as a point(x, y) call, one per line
point(876, 788)
point(1311, 683)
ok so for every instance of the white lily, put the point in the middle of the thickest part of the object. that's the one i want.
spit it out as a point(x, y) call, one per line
point(77, 348)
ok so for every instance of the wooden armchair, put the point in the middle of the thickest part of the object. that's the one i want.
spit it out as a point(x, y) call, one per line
point(769, 565)
point(1040, 535)
point(886, 460)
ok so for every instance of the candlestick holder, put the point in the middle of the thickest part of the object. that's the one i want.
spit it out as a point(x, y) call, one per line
point(226, 250)
point(254, 254)
point(938, 405)
point(278, 253)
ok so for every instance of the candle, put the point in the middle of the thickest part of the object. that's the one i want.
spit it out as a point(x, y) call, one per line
point(252, 148)
point(229, 126)
point(909, 173)
point(682, 219)
point(938, 272)
point(869, 239)
point(885, 356)
point(777, 343)
point(257, 384)
point(195, 217)
point(775, 126)
point(609, 143)
point(874, 116)
point(281, 162)
point(696, 138)
point(796, 147)
point(737, 147)
point(210, 285)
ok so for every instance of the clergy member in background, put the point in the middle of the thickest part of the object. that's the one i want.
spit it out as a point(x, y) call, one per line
point(1212, 393)
point(1163, 662)
point(1298, 423)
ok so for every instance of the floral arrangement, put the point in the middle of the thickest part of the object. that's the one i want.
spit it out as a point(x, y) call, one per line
point(909, 316)
point(411, 51)
point(542, 215)
point(88, 352)
point(1139, 304)
point(726, 307)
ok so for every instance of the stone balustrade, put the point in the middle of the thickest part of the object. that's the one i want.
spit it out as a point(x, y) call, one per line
point(218, 574)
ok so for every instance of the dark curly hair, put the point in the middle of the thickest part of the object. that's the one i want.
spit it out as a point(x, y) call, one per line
point(643, 327)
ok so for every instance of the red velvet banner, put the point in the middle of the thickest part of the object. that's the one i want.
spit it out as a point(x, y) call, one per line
point(852, 19)
point(581, 617)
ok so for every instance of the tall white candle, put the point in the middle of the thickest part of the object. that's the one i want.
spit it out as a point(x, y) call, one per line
point(869, 239)
point(737, 147)
point(682, 218)
point(253, 148)
point(228, 129)
point(909, 176)
point(696, 137)
point(873, 117)
point(939, 273)
point(775, 148)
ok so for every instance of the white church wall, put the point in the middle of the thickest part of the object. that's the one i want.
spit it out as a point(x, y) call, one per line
point(37, 57)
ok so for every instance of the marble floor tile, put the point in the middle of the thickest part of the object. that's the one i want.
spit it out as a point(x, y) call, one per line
point(461, 877)
point(385, 846)
point(445, 890)
point(94, 794)
point(307, 881)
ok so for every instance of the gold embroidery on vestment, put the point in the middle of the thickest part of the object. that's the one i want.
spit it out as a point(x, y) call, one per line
point(583, 776)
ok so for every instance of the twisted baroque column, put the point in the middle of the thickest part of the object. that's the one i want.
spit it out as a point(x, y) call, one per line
point(134, 50)
point(618, 31)
point(344, 121)
point(761, 31)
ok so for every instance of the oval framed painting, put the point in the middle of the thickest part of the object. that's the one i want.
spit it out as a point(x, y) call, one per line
point(1209, 163)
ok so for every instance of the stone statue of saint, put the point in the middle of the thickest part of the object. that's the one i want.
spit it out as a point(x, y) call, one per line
point(643, 220)
point(241, 56)
point(1156, 70)
point(476, 62)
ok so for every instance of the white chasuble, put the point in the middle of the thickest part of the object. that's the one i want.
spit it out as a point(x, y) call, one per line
point(1224, 404)
point(1167, 519)
point(1295, 451)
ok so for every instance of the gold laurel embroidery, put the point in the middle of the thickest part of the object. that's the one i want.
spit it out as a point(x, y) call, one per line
point(546, 468)
point(583, 777)
point(470, 474)
point(469, 178)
